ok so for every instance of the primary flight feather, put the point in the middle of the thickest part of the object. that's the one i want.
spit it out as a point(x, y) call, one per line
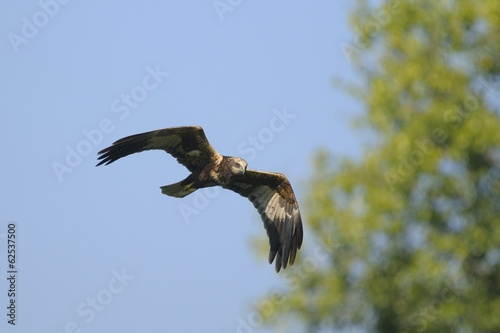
point(271, 193)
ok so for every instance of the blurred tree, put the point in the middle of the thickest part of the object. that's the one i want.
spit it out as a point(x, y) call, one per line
point(410, 233)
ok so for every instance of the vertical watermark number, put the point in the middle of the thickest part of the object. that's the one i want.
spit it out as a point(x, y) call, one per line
point(11, 272)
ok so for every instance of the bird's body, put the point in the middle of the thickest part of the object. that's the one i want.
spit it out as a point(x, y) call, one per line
point(271, 193)
point(219, 173)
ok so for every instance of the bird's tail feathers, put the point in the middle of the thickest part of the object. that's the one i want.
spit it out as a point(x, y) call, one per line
point(178, 190)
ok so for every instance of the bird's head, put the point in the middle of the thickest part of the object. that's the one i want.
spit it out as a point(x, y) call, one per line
point(237, 165)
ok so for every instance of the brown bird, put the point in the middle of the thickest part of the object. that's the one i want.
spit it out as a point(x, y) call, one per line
point(271, 193)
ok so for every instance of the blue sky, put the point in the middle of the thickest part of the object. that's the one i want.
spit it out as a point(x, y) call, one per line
point(100, 249)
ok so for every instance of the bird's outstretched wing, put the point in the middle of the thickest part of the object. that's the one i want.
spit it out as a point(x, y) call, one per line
point(188, 145)
point(272, 195)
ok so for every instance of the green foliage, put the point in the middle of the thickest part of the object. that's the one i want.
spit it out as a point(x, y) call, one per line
point(413, 227)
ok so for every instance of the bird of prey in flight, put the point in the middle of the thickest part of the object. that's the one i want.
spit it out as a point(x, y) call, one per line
point(271, 193)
